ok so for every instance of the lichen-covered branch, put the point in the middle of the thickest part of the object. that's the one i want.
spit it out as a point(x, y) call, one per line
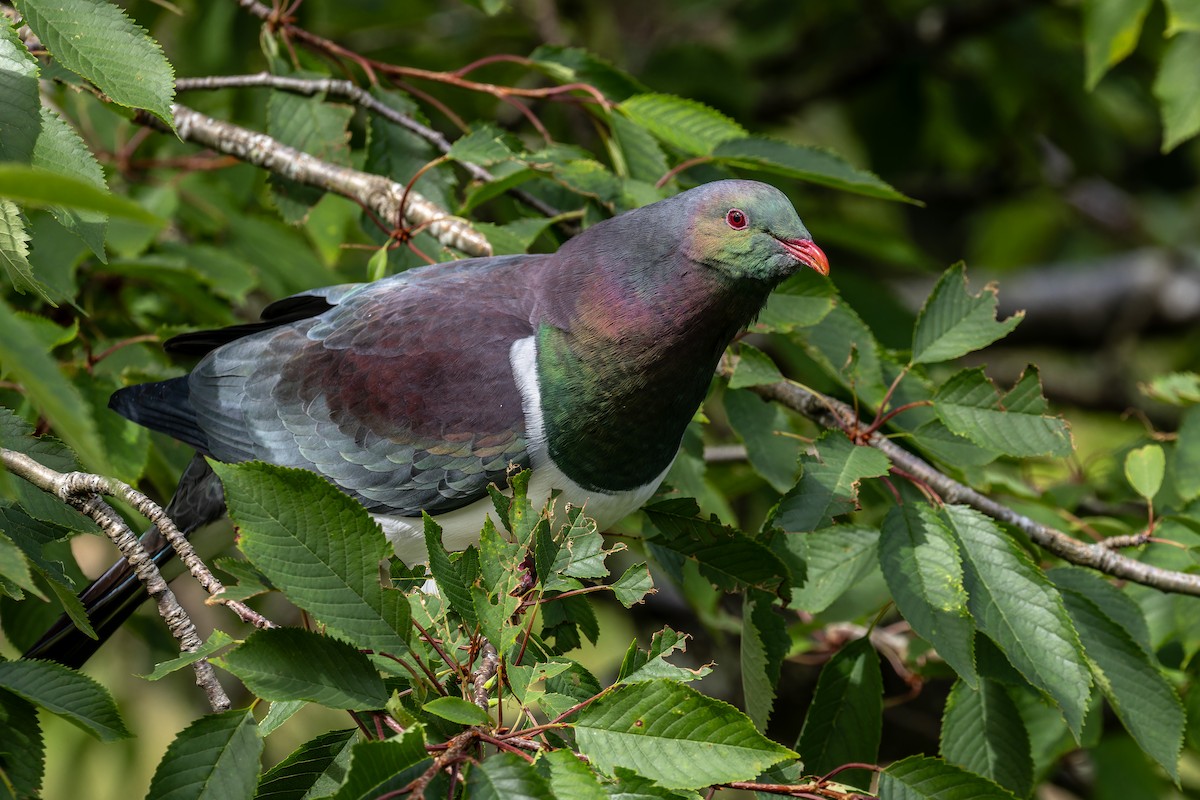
point(85, 492)
point(384, 197)
point(834, 414)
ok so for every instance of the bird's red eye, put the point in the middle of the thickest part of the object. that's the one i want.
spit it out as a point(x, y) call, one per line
point(736, 219)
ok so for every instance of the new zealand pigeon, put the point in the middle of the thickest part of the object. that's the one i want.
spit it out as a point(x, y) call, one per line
point(417, 391)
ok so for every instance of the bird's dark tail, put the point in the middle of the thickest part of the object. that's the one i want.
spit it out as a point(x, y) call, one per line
point(114, 596)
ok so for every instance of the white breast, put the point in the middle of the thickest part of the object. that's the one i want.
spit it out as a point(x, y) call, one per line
point(460, 528)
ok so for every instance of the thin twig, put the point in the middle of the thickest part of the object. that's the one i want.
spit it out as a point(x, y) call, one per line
point(834, 414)
point(85, 492)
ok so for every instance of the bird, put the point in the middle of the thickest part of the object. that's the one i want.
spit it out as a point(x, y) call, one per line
point(417, 391)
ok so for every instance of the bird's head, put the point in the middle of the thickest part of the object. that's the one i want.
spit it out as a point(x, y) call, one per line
point(748, 229)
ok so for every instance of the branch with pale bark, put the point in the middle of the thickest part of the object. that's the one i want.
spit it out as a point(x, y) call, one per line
point(1101, 556)
point(387, 199)
point(85, 492)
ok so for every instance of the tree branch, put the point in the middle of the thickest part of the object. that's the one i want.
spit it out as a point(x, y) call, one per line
point(834, 414)
point(384, 197)
point(83, 492)
point(348, 90)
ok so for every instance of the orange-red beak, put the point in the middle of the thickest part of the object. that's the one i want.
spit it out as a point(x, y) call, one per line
point(806, 251)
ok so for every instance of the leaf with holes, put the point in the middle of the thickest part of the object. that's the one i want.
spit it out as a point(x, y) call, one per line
point(1017, 424)
point(829, 486)
point(954, 322)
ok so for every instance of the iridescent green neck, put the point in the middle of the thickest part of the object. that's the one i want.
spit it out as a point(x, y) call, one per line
point(619, 388)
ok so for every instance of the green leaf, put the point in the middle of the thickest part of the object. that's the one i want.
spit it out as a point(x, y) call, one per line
point(982, 732)
point(377, 768)
point(18, 97)
point(62, 151)
point(843, 344)
point(576, 65)
point(1017, 424)
point(644, 665)
point(826, 563)
point(506, 776)
point(1185, 467)
point(313, 126)
point(515, 237)
point(633, 585)
point(725, 555)
point(921, 565)
point(321, 549)
point(921, 778)
point(454, 577)
point(643, 157)
point(674, 736)
point(954, 322)
point(1128, 676)
point(803, 162)
point(457, 710)
point(214, 758)
point(279, 712)
point(754, 368)
point(297, 776)
point(34, 187)
point(1110, 32)
point(484, 145)
point(28, 363)
point(581, 553)
point(1177, 388)
point(829, 486)
point(765, 643)
point(1182, 15)
point(692, 127)
point(23, 754)
point(1178, 91)
point(1145, 468)
point(14, 252)
point(570, 778)
point(98, 42)
point(1114, 603)
point(845, 719)
point(15, 577)
point(216, 640)
point(295, 664)
point(800, 301)
point(69, 694)
point(762, 426)
point(1014, 604)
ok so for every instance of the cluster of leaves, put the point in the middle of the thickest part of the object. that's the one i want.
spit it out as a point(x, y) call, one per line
point(1111, 32)
point(1032, 651)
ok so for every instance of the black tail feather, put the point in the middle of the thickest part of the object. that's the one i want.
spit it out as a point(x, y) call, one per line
point(165, 407)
